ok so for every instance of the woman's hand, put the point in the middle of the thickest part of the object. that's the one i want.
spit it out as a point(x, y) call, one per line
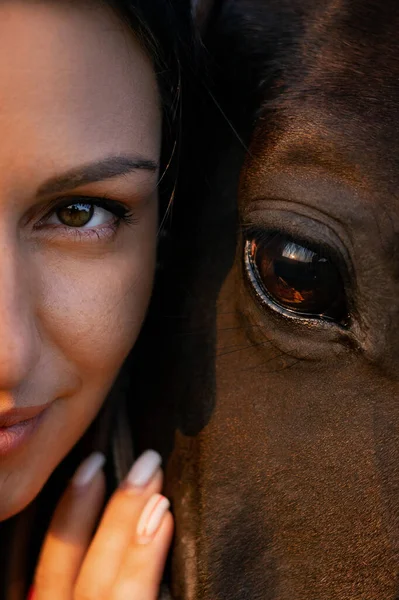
point(126, 557)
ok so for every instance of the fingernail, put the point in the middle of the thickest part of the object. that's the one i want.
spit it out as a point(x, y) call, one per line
point(31, 594)
point(151, 517)
point(88, 470)
point(144, 469)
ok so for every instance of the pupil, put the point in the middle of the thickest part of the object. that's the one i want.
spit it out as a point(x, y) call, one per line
point(299, 278)
point(76, 215)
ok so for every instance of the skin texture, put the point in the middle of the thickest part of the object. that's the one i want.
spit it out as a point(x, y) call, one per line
point(75, 89)
point(283, 445)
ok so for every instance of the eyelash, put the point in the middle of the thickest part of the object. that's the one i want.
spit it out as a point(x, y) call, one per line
point(120, 212)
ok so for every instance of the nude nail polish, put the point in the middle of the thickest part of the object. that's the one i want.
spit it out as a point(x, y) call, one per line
point(151, 517)
point(88, 469)
point(144, 469)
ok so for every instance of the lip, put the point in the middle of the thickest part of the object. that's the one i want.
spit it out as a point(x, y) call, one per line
point(18, 415)
point(17, 426)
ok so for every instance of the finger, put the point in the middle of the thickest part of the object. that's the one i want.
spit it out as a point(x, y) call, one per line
point(118, 525)
point(141, 572)
point(70, 532)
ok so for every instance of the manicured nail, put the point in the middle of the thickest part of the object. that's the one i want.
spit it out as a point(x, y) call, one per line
point(144, 469)
point(151, 517)
point(31, 594)
point(88, 470)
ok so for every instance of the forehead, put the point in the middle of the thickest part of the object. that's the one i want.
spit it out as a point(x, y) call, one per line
point(71, 74)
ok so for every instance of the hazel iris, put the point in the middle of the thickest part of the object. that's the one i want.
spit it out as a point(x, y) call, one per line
point(76, 215)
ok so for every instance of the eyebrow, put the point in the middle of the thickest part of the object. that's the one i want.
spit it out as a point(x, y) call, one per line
point(112, 166)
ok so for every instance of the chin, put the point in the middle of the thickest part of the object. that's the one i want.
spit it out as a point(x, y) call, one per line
point(10, 509)
point(14, 496)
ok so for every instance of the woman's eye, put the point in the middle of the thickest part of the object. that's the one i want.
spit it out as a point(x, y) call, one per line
point(80, 214)
point(296, 278)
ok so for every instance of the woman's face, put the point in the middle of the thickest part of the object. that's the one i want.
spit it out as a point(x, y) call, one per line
point(80, 134)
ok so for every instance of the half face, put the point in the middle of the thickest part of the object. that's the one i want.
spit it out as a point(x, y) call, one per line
point(289, 488)
point(80, 143)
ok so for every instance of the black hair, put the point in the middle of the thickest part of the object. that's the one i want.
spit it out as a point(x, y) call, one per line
point(164, 30)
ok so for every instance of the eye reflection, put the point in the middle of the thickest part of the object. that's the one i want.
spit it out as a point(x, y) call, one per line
point(76, 215)
point(295, 277)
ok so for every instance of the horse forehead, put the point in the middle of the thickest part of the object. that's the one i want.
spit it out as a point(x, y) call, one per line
point(339, 99)
point(368, 23)
point(314, 150)
point(338, 116)
point(337, 59)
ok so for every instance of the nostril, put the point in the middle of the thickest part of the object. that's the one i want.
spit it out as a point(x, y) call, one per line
point(19, 353)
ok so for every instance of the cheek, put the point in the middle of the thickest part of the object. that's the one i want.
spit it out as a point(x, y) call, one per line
point(95, 320)
point(88, 305)
point(93, 303)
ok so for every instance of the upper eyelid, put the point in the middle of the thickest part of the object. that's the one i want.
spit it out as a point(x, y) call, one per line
point(81, 199)
point(290, 210)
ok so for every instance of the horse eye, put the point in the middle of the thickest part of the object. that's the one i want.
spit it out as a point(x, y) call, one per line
point(296, 278)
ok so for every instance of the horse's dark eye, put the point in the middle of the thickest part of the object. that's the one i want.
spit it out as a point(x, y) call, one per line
point(295, 277)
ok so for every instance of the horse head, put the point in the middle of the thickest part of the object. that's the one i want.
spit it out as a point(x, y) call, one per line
point(282, 365)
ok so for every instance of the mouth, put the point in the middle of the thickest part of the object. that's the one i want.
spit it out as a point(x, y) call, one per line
point(17, 426)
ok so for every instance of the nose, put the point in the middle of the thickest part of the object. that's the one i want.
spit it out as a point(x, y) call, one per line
point(19, 339)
